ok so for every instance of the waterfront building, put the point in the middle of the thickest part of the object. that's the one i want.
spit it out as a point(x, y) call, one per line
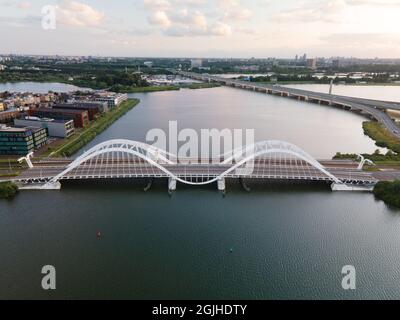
point(55, 128)
point(80, 117)
point(21, 140)
point(112, 99)
point(101, 105)
point(9, 115)
point(93, 108)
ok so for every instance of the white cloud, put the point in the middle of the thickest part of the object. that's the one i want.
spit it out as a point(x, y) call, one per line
point(24, 5)
point(160, 18)
point(77, 14)
point(325, 11)
point(181, 18)
point(374, 2)
point(233, 10)
point(221, 29)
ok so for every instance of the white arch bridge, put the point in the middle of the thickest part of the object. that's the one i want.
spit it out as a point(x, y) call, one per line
point(116, 159)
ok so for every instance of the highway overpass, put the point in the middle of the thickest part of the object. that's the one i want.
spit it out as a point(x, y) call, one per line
point(375, 109)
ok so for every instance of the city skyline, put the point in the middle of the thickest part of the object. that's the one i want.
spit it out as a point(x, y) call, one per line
point(201, 28)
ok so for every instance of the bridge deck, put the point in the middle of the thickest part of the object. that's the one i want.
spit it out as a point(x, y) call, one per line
point(345, 171)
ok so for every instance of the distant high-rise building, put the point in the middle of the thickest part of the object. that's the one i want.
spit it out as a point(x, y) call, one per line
point(336, 63)
point(196, 63)
point(312, 63)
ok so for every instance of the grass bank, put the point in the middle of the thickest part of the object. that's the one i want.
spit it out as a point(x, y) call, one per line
point(202, 85)
point(8, 190)
point(389, 192)
point(78, 141)
point(127, 89)
point(382, 137)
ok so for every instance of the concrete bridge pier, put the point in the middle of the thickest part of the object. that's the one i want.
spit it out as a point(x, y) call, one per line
point(350, 187)
point(171, 184)
point(148, 186)
point(221, 185)
point(40, 186)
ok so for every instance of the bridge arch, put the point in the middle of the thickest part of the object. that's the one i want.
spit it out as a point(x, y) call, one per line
point(158, 158)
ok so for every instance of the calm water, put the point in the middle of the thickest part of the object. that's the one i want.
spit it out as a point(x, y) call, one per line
point(36, 87)
point(320, 130)
point(288, 241)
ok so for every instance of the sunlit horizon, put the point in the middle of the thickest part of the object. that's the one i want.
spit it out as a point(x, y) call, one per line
point(203, 28)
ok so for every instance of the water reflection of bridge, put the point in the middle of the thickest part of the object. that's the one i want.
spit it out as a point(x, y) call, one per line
point(117, 159)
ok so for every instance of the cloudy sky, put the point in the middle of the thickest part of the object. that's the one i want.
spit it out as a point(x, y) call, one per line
point(203, 28)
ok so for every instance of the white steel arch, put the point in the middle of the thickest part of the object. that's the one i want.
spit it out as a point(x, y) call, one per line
point(159, 158)
point(279, 147)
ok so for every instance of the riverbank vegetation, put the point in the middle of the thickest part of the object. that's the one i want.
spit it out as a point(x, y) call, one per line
point(202, 85)
point(309, 78)
point(8, 190)
point(78, 141)
point(131, 89)
point(128, 89)
point(383, 139)
point(83, 75)
point(389, 192)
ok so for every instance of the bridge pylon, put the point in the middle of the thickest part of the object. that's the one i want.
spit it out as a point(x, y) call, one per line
point(221, 185)
point(171, 184)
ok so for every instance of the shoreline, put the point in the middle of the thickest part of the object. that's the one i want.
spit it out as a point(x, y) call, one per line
point(68, 147)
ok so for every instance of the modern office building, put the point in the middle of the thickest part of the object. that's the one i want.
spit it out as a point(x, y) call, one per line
point(93, 108)
point(112, 99)
point(21, 140)
point(55, 128)
point(9, 115)
point(80, 117)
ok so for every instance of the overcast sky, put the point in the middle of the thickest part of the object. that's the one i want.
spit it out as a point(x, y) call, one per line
point(204, 28)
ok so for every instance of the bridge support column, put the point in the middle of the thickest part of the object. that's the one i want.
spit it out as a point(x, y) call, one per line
point(349, 187)
point(244, 185)
point(171, 184)
point(46, 186)
point(221, 185)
